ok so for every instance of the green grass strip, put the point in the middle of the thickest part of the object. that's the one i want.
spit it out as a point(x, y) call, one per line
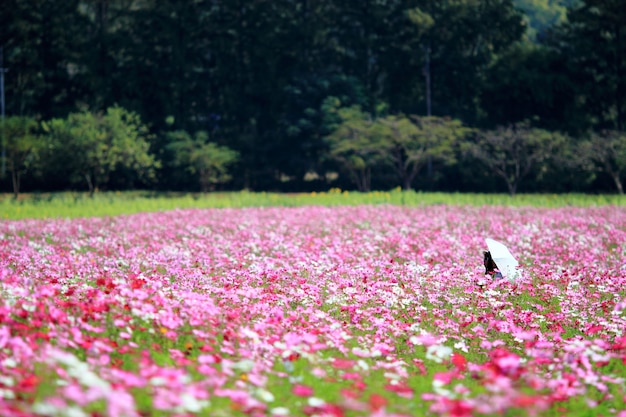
point(74, 204)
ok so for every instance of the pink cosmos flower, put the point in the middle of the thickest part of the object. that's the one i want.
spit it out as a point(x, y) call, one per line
point(302, 390)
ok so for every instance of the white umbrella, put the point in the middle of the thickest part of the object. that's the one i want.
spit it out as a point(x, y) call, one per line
point(505, 262)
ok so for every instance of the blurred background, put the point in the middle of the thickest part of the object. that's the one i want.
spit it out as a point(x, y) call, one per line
point(307, 95)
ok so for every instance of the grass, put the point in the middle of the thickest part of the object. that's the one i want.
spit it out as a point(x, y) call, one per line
point(74, 204)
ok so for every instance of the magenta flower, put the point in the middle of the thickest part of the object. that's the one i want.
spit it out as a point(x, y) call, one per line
point(302, 390)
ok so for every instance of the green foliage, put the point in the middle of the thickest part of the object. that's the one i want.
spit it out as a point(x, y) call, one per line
point(420, 18)
point(607, 149)
point(512, 152)
point(298, 143)
point(543, 15)
point(42, 43)
point(532, 81)
point(357, 145)
point(413, 142)
point(92, 146)
point(23, 145)
point(594, 43)
point(267, 80)
point(360, 143)
point(467, 36)
point(208, 161)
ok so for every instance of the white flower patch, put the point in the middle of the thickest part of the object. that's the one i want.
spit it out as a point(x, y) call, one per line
point(7, 394)
point(280, 411)
point(244, 365)
point(316, 402)
point(264, 395)
point(7, 381)
point(438, 387)
point(462, 346)
point(157, 381)
point(376, 353)
point(438, 353)
point(415, 328)
point(41, 249)
point(80, 370)
point(596, 354)
point(392, 377)
point(362, 365)
point(50, 410)
point(336, 299)
point(405, 302)
point(360, 352)
point(9, 363)
point(190, 404)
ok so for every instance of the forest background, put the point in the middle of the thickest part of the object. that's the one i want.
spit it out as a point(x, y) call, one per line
point(306, 95)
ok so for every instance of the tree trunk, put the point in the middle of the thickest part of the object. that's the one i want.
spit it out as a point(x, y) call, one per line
point(427, 74)
point(363, 179)
point(415, 169)
point(204, 181)
point(618, 184)
point(15, 178)
point(406, 183)
point(512, 188)
point(621, 85)
point(360, 180)
point(92, 189)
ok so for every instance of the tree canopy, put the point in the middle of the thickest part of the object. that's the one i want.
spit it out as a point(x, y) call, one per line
point(92, 146)
point(22, 147)
point(512, 152)
point(208, 161)
point(284, 84)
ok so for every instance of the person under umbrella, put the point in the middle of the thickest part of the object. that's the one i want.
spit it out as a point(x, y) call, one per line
point(499, 262)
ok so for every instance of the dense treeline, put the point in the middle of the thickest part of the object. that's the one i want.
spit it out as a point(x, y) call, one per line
point(298, 95)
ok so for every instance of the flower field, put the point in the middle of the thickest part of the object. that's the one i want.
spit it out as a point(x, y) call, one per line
point(327, 311)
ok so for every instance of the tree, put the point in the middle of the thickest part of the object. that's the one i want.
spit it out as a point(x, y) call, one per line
point(207, 160)
point(412, 142)
point(162, 54)
point(542, 15)
point(512, 152)
point(608, 150)
point(594, 43)
point(457, 42)
point(357, 145)
point(23, 144)
point(41, 40)
point(94, 145)
point(310, 116)
point(532, 81)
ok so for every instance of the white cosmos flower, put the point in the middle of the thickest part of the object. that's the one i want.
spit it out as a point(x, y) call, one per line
point(47, 409)
point(363, 365)
point(7, 394)
point(244, 365)
point(7, 381)
point(316, 402)
point(9, 363)
point(461, 345)
point(74, 411)
point(190, 403)
point(80, 370)
point(264, 395)
point(438, 353)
